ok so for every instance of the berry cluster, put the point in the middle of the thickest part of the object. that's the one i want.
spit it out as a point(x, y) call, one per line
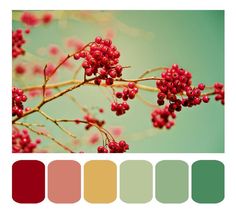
point(22, 143)
point(18, 98)
point(178, 81)
point(127, 93)
point(29, 19)
point(17, 42)
point(161, 118)
point(174, 80)
point(32, 20)
point(114, 147)
point(219, 92)
point(194, 96)
point(91, 120)
point(101, 60)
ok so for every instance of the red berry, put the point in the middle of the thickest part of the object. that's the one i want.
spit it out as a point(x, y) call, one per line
point(109, 81)
point(201, 86)
point(205, 99)
point(161, 95)
point(125, 105)
point(119, 95)
point(77, 56)
point(131, 85)
point(113, 106)
point(100, 149)
point(122, 143)
point(105, 150)
point(131, 94)
point(98, 39)
point(97, 81)
point(27, 31)
point(175, 66)
point(113, 74)
point(85, 64)
point(47, 18)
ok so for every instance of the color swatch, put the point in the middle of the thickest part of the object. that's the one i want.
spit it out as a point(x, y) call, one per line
point(100, 181)
point(28, 181)
point(136, 181)
point(208, 181)
point(64, 181)
point(172, 181)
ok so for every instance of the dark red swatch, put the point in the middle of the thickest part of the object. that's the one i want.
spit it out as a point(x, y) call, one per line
point(28, 181)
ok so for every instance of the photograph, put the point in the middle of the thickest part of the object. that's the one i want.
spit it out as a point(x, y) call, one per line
point(118, 81)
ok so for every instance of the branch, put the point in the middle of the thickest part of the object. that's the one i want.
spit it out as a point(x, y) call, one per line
point(40, 105)
point(101, 129)
point(153, 70)
point(56, 123)
point(118, 83)
point(45, 135)
point(45, 81)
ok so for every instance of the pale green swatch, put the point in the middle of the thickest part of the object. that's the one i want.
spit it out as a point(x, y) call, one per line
point(136, 181)
point(171, 181)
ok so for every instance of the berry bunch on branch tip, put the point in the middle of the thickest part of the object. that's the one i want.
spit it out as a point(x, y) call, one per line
point(176, 88)
point(18, 98)
point(32, 20)
point(17, 43)
point(22, 143)
point(128, 92)
point(219, 92)
point(100, 64)
point(101, 60)
point(91, 121)
point(162, 117)
point(114, 147)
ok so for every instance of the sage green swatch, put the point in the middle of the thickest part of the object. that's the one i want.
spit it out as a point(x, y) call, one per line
point(172, 181)
point(208, 181)
point(136, 181)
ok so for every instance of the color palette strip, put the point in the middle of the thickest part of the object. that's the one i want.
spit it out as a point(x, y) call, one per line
point(137, 181)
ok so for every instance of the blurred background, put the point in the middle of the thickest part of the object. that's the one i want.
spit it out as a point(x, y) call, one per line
point(145, 39)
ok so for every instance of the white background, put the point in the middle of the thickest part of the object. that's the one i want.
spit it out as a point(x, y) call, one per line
point(7, 205)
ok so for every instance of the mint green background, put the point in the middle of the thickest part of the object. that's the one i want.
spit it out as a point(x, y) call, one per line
point(171, 181)
point(208, 181)
point(136, 181)
point(146, 39)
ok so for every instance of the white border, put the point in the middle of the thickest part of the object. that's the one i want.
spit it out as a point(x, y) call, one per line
point(6, 157)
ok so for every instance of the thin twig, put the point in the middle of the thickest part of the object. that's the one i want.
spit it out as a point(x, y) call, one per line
point(56, 123)
point(45, 135)
point(73, 99)
point(101, 129)
point(45, 81)
point(37, 108)
point(152, 70)
point(67, 58)
point(76, 72)
point(146, 102)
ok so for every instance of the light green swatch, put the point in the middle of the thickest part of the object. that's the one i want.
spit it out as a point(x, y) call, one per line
point(136, 181)
point(172, 181)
